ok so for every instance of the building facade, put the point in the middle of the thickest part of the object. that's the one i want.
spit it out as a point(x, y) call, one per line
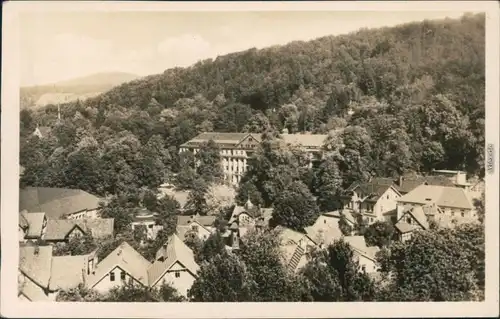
point(453, 202)
point(373, 200)
point(237, 148)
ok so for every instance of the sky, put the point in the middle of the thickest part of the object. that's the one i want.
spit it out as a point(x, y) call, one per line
point(65, 45)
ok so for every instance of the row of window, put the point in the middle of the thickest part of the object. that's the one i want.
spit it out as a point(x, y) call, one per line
point(112, 276)
point(123, 275)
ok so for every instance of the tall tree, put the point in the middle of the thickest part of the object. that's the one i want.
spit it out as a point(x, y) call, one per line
point(295, 207)
point(225, 278)
point(196, 202)
point(436, 265)
point(209, 164)
point(328, 185)
point(379, 234)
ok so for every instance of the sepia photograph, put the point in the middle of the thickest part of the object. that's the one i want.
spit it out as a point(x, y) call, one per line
point(305, 156)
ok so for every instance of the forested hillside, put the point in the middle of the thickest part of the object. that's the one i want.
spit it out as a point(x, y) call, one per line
point(416, 93)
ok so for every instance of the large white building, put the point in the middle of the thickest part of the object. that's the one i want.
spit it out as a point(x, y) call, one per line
point(237, 148)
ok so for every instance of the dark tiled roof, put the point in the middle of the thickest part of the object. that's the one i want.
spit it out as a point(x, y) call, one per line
point(373, 189)
point(56, 202)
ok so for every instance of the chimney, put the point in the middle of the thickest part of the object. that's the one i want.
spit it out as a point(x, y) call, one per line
point(400, 180)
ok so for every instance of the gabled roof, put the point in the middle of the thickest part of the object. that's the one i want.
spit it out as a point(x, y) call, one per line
point(35, 223)
point(373, 189)
point(126, 258)
point(348, 216)
point(250, 210)
point(404, 227)
point(36, 263)
point(358, 243)
point(409, 183)
point(32, 291)
point(56, 202)
point(418, 214)
point(440, 195)
point(58, 229)
point(166, 257)
point(68, 271)
point(220, 138)
point(326, 233)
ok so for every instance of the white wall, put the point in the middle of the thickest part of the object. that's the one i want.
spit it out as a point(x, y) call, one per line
point(91, 214)
point(182, 283)
point(386, 203)
point(370, 265)
point(105, 284)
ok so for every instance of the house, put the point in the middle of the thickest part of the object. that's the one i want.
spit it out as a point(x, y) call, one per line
point(345, 213)
point(203, 226)
point(453, 202)
point(406, 184)
point(150, 222)
point(311, 144)
point(42, 131)
point(41, 275)
point(413, 219)
point(235, 150)
point(372, 199)
point(295, 246)
point(63, 230)
point(325, 230)
point(70, 271)
point(32, 226)
point(59, 202)
point(366, 256)
point(246, 217)
point(123, 265)
point(174, 265)
point(34, 272)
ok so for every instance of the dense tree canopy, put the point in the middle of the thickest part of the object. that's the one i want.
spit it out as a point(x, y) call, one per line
point(409, 97)
point(436, 265)
point(295, 207)
point(392, 100)
point(334, 274)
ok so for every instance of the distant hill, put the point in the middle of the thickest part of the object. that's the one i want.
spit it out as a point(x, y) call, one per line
point(73, 89)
